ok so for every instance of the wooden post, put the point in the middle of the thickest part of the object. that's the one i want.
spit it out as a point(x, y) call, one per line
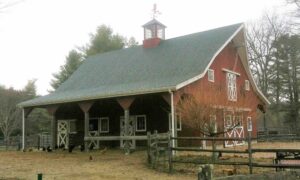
point(25, 113)
point(51, 111)
point(86, 129)
point(126, 128)
point(53, 131)
point(173, 125)
point(148, 146)
point(214, 148)
point(125, 104)
point(85, 107)
point(170, 153)
point(23, 130)
point(250, 152)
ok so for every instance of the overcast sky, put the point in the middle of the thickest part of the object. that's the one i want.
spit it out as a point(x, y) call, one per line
point(36, 35)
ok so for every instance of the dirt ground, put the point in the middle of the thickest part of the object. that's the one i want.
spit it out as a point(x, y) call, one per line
point(110, 164)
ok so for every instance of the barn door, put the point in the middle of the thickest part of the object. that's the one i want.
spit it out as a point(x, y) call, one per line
point(235, 121)
point(62, 133)
point(130, 133)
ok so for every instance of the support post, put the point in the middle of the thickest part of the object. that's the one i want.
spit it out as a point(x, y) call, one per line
point(51, 111)
point(149, 146)
point(170, 153)
point(53, 131)
point(173, 121)
point(126, 129)
point(23, 130)
point(86, 129)
point(85, 107)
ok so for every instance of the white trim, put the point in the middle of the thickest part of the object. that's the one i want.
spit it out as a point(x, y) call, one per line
point(249, 124)
point(100, 123)
point(189, 81)
point(136, 123)
point(247, 85)
point(179, 123)
point(229, 71)
point(211, 75)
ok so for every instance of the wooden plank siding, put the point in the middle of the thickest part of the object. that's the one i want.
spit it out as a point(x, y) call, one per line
point(217, 91)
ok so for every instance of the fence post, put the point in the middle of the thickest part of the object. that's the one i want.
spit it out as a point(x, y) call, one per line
point(156, 149)
point(214, 148)
point(250, 152)
point(149, 146)
point(170, 152)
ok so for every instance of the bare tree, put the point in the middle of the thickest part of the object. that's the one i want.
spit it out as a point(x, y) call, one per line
point(10, 114)
point(260, 38)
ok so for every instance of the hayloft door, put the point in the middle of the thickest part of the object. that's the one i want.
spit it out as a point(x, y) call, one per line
point(62, 133)
point(131, 131)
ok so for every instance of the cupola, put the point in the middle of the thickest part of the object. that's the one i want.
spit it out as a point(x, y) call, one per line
point(154, 32)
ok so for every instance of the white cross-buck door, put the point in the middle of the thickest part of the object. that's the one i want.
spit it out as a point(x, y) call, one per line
point(131, 131)
point(62, 133)
point(233, 126)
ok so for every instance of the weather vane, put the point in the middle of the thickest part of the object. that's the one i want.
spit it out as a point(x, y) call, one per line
point(155, 12)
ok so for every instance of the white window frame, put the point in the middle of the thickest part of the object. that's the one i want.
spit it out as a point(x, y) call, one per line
point(228, 118)
point(247, 85)
point(100, 125)
point(178, 120)
point(136, 123)
point(231, 86)
point(249, 124)
point(73, 132)
point(211, 75)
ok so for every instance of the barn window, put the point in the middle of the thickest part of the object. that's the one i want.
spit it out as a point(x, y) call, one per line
point(104, 125)
point(72, 128)
point(247, 85)
point(211, 75)
point(141, 123)
point(238, 121)
point(249, 123)
point(178, 120)
point(231, 86)
point(228, 121)
point(94, 124)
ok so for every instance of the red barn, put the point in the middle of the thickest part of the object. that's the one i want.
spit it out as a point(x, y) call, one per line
point(114, 98)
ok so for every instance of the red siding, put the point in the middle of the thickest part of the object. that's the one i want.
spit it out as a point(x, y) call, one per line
point(216, 91)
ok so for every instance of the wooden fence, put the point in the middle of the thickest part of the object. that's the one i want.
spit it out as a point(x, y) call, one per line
point(161, 145)
point(278, 134)
point(32, 141)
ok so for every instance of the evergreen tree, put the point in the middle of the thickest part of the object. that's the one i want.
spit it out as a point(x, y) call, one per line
point(73, 61)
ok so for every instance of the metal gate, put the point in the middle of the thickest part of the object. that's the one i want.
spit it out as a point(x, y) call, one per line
point(131, 131)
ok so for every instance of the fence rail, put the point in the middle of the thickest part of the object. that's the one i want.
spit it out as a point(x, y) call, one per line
point(36, 141)
point(161, 144)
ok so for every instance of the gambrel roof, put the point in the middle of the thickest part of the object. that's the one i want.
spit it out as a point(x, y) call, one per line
point(173, 64)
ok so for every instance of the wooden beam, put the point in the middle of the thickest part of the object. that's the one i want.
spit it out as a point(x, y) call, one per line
point(125, 102)
point(27, 111)
point(167, 98)
point(114, 138)
point(52, 109)
point(86, 106)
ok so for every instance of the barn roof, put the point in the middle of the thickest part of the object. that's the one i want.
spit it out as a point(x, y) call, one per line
point(137, 70)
